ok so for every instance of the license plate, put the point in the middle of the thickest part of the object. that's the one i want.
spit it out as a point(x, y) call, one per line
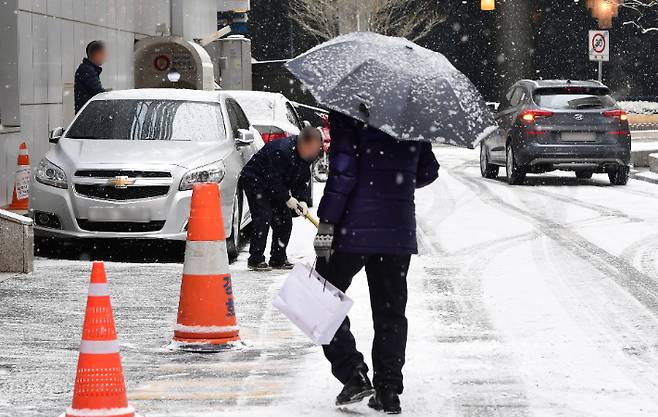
point(578, 137)
point(119, 214)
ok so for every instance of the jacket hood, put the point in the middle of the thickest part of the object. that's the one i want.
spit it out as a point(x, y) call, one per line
point(91, 152)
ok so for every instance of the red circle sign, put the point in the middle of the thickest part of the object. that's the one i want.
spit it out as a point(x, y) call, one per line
point(161, 63)
point(598, 43)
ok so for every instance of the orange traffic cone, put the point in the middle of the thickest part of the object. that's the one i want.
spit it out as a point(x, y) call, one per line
point(206, 313)
point(100, 390)
point(21, 197)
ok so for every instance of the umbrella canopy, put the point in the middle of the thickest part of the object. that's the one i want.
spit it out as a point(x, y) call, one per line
point(396, 86)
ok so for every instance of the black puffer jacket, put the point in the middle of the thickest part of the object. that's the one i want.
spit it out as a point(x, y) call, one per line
point(369, 195)
point(87, 83)
point(277, 172)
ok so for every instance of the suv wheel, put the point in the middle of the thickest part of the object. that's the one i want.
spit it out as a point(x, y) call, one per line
point(515, 174)
point(486, 169)
point(233, 241)
point(584, 175)
point(619, 176)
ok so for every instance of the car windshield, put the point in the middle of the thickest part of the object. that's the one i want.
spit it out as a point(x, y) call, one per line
point(574, 98)
point(150, 120)
point(257, 108)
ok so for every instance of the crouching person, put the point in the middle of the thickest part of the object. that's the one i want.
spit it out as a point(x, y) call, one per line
point(368, 220)
point(276, 182)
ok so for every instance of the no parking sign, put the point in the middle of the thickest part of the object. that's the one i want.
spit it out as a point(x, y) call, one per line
point(599, 45)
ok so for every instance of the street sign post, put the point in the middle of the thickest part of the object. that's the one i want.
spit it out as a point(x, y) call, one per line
point(599, 48)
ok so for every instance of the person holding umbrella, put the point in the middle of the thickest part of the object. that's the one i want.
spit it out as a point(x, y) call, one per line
point(367, 217)
point(390, 98)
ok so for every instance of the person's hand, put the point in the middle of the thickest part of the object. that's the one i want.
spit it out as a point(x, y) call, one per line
point(302, 209)
point(292, 203)
point(324, 240)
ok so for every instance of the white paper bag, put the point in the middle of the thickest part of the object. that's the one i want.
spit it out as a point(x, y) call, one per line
point(313, 304)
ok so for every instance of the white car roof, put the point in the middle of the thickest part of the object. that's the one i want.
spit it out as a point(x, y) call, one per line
point(263, 94)
point(162, 94)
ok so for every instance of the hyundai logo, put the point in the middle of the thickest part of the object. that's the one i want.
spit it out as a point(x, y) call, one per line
point(578, 116)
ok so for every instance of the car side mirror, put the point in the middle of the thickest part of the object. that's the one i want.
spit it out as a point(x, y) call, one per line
point(245, 137)
point(56, 134)
point(306, 123)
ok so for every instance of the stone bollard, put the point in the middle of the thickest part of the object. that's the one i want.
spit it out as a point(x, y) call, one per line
point(653, 162)
point(16, 243)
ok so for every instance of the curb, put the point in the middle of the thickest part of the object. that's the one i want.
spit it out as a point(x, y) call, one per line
point(640, 176)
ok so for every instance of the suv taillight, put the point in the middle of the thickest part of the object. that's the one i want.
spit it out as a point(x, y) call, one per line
point(530, 116)
point(616, 114)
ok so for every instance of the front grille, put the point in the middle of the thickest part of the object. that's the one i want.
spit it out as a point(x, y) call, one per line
point(104, 192)
point(121, 227)
point(122, 173)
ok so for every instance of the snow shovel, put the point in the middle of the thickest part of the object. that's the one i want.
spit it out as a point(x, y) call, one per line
point(312, 219)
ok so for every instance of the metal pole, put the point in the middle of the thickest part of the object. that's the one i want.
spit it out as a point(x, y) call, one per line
point(601, 71)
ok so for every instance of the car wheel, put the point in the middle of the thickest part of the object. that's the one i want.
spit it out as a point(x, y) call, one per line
point(619, 176)
point(584, 175)
point(486, 169)
point(233, 241)
point(515, 174)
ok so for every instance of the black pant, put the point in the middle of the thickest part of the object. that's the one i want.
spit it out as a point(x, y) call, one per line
point(387, 279)
point(266, 213)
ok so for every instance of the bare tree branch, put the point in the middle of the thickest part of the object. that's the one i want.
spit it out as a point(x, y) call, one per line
point(642, 10)
point(325, 19)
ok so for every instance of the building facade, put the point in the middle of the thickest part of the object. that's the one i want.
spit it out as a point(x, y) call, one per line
point(43, 42)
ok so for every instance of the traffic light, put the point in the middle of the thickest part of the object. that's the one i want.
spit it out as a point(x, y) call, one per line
point(604, 11)
point(488, 5)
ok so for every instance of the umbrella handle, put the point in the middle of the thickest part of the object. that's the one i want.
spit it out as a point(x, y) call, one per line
point(313, 220)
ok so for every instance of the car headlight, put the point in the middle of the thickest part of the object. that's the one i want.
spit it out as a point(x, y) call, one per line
point(50, 174)
point(210, 173)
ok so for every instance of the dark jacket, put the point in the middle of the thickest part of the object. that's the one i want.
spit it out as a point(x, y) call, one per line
point(277, 171)
point(87, 83)
point(369, 195)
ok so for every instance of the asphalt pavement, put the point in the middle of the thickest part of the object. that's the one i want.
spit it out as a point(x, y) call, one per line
point(532, 300)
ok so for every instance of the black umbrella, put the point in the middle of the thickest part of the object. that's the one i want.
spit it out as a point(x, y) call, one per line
point(394, 85)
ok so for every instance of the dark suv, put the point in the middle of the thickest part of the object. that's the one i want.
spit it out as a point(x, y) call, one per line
point(558, 125)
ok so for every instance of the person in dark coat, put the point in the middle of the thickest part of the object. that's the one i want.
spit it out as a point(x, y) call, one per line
point(368, 219)
point(276, 181)
point(87, 76)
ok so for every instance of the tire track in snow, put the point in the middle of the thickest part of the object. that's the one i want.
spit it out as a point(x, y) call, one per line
point(481, 371)
point(620, 327)
point(642, 286)
point(644, 252)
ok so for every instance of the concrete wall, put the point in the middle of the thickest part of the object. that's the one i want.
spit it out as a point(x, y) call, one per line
point(52, 35)
point(193, 19)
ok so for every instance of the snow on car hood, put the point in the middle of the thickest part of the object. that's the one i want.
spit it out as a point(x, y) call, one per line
point(81, 152)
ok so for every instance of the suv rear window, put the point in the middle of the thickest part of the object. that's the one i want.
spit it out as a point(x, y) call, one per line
point(150, 120)
point(574, 98)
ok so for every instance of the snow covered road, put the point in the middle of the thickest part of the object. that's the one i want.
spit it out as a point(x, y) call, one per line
point(534, 300)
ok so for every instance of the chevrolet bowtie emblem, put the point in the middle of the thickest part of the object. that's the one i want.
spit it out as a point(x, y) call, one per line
point(121, 182)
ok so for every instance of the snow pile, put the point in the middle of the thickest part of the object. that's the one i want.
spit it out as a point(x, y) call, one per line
point(639, 107)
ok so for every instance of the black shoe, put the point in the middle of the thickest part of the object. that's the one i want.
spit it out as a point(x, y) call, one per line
point(387, 400)
point(357, 388)
point(261, 267)
point(284, 265)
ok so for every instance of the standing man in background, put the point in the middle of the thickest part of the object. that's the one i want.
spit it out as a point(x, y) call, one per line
point(87, 76)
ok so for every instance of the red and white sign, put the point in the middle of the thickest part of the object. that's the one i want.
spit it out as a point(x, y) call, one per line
point(162, 63)
point(23, 176)
point(599, 45)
